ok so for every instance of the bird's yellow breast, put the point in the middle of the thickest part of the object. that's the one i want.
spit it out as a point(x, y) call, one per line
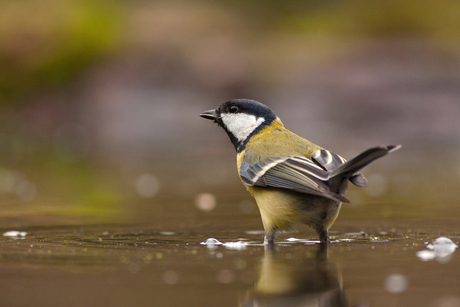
point(279, 208)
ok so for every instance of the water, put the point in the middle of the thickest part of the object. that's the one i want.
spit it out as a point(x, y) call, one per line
point(154, 252)
point(140, 265)
point(205, 248)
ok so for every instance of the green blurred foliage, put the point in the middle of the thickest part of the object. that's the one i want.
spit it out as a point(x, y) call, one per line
point(83, 188)
point(360, 18)
point(47, 42)
point(79, 189)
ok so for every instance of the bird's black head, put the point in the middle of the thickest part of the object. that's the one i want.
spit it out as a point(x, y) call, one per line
point(241, 118)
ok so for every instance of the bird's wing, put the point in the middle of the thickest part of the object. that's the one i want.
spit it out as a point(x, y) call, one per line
point(327, 160)
point(293, 173)
point(330, 161)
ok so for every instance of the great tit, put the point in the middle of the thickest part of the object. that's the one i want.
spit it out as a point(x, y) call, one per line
point(292, 179)
point(304, 281)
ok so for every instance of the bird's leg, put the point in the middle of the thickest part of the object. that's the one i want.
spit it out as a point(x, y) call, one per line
point(321, 254)
point(269, 239)
point(323, 237)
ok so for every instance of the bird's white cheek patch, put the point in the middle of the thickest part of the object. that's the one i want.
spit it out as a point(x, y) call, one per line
point(241, 125)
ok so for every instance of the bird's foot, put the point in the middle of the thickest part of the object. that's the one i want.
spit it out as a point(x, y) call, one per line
point(324, 237)
point(269, 240)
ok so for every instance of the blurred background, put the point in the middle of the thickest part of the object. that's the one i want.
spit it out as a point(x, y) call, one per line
point(99, 103)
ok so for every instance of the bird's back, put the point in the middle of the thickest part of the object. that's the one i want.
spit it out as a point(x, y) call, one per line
point(271, 142)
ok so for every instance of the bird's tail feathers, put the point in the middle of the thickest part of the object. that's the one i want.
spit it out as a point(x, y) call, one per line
point(354, 165)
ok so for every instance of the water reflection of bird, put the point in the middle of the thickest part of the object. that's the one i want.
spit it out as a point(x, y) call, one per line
point(292, 179)
point(313, 281)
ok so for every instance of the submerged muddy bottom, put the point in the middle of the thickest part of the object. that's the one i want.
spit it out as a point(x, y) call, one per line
point(142, 266)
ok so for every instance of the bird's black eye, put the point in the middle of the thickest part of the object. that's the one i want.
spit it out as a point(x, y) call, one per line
point(233, 109)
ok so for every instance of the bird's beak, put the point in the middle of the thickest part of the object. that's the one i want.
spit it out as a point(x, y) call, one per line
point(210, 114)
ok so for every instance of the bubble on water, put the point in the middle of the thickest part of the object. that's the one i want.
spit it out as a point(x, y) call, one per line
point(396, 283)
point(443, 246)
point(426, 255)
point(247, 206)
point(15, 233)
point(219, 255)
point(167, 233)
point(26, 190)
point(295, 240)
point(171, 277)
point(225, 276)
point(205, 201)
point(240, 245)
point(441, 249)
point(378, 185)
point(147, 185)
point(211, 243)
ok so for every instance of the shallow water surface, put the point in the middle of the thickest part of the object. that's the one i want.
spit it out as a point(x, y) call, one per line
point(140, 266)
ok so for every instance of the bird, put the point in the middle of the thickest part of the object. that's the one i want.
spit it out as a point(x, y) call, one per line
point(293, 180)
point(309, 280)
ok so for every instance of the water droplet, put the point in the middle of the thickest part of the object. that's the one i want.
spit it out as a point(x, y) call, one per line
point(171, 277)
point(147, 185)
point(396, 283)
point(225, 276)
point(205, 201)
point(26, 190)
